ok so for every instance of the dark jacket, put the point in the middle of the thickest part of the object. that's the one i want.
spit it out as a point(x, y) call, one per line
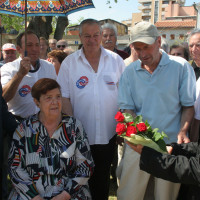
point(121, 53)
point(183, 166)
point(7, 123)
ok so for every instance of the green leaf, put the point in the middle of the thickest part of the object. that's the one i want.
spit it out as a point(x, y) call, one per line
point(157, 136)
point(128, 117)
point(138, 119)
point(161, 143)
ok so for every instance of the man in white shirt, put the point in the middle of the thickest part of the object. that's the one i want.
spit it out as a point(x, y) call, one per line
point(9, 53)
point(89, 83)
point(19, 76)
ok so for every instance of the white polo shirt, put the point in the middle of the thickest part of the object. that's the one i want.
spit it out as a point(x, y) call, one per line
point(93, 95)
point(22, 103)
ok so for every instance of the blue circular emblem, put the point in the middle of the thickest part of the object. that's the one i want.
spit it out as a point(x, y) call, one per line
point(82, 82)
point(24, 90)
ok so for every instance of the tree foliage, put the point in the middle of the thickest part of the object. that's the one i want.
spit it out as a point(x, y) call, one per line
point(10, 22)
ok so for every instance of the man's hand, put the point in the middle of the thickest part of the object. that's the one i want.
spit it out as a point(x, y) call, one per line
point(138, 148)
point(25, 66)
point(62, 196)
point(182, 138)
point(186, 119)
point(169, 149)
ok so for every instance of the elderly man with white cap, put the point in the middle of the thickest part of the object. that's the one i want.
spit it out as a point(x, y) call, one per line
point(161, 88)
point(9, 53)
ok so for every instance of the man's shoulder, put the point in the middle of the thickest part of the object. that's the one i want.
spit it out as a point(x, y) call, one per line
point(45, 62)
point(121, 53)
point(47, 68)
point(111, 54)
point(11, 66)
point(72, 57)
point(174, 61)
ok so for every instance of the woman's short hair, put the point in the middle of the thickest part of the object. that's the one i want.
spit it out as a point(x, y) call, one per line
point(42, 86)
point(59, 54)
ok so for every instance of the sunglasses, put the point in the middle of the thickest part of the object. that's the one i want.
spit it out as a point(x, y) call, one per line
point(63, 46)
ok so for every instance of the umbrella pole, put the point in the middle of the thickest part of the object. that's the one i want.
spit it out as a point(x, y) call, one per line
point(25, 53)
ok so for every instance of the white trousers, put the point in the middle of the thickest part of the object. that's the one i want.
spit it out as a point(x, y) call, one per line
point(133, 181)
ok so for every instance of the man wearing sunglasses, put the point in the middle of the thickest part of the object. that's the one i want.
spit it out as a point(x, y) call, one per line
point(61, 44)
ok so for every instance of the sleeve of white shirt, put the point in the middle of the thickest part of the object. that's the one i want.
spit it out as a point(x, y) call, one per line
point(197, 102)
point(63, 78)
point(6, 74)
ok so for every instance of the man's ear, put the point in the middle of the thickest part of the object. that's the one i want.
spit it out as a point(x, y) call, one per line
point(18, 49)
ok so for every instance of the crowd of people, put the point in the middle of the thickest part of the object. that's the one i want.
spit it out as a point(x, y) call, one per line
point(58, 108)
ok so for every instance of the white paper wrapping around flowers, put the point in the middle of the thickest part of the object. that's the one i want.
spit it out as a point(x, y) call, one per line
point(136, 139)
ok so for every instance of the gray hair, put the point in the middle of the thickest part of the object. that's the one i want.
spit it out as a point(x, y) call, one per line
point(110, 26)
point(164, 45)
point(90, 22)
point(193, 32)
point(62, 41)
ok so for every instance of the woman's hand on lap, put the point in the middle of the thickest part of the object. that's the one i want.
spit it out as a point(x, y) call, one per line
point(62, 196)
point(38, 197)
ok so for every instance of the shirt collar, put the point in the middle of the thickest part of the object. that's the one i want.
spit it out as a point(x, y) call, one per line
point(35, 118)
point(82, 55)
point(165, 59)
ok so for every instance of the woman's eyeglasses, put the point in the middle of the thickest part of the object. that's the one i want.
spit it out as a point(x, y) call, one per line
point(63, 46)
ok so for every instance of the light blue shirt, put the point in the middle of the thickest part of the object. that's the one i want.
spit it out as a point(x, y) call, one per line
point(159, 96)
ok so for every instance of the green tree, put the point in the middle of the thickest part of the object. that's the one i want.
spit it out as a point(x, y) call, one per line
point(10, 22)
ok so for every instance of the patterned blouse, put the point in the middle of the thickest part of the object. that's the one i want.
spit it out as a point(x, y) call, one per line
point(42, 165)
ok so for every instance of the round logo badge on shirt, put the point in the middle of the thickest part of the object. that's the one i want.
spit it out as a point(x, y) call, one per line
point(82, 82)
point(24, 90)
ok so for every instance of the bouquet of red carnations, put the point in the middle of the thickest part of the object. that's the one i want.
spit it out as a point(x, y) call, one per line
point(138, 132)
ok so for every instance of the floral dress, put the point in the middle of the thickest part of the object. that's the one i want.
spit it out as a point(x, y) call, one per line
point(42, 165)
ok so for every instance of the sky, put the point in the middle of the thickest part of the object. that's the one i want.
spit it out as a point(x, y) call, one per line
point(119, 11)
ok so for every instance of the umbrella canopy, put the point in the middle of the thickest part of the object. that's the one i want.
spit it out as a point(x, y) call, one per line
point(43, 7)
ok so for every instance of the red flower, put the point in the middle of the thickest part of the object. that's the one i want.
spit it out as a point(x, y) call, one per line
point(141, 127)
point(120, 128)
point(131, 130)
point(119, 133)
point(129, 123)
point(119, 117)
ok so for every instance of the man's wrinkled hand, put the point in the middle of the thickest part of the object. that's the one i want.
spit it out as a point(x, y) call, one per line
point(182, 138)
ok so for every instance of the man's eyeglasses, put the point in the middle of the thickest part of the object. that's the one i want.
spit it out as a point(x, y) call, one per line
point(63, 46)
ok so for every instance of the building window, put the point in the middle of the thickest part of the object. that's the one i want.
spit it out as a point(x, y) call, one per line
point(181, 37)
point(172, 36)
point(146, 4)
point(165, 2)
point(146, 11)
point(164, 35)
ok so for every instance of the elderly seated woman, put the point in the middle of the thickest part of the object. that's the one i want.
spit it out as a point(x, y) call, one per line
point(50, 156)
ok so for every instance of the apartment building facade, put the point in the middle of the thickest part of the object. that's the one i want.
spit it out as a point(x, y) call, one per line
point(154, 10)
